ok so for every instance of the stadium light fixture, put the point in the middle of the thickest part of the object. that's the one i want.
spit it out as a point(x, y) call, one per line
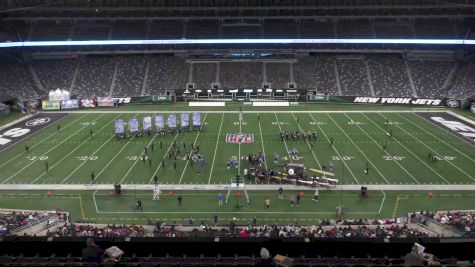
point(237, 41)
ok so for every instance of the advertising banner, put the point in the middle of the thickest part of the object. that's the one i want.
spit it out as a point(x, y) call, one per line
point(50, 105)
point(106, 101)
point(69, 104)
point(147, 123)
point(87, 103)
point(159, 122)
point(185, 119)
point(172, 121)
point(196, 119)
point(119, 126)
point(142, 100)
point(133, 125)
point(381, 100)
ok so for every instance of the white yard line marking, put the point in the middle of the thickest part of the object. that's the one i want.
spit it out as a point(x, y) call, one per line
point(72, 151)
point(67, 138)
point(84, 162)
point(441, 140)
point(385, 152)
point(262, 141)
point(94, 199)
point(344, 163)
point(117, 154)
point(48, 137)
point(164, 156)
point(136, 160)
point(285, 143)
point(382, 202)
point(418, 140)
point(215, 149)
point(408, 150)
point(194, 143)
point(361, 152)
point(308, 144)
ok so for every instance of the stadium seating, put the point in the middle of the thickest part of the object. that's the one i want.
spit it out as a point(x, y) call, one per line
point(16, 80)
point(122, 76)
point(429, 76)
point(353, 76)
point(204, 74)
point(464, 83)
point(389, 76)
point(241, 75)
point(94, 76)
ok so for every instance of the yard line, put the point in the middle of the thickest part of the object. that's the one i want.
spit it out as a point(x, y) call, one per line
point(72, 151)
point(216, 148)
point(84, 162)
point(438, 137)
point(344, 163)
point(239, 145)
point(308, 144)
point(107, 165)
point(136, 160)
point(382, 202)
point(164, 156)
point(48, 137)
point(469, 176)
point(67, 138)
point(412, 153)
point(194, 143)
point(285, 143)
point(395, 161)
point(262, 142)
point(94, 199)
point(368, 160)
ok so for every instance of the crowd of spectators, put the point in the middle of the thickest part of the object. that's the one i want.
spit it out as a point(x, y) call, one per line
point(323, 229)
point(98, 230)
point(10, 221)
point(461, 220)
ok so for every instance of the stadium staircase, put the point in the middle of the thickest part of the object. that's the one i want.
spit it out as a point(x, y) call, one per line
point(114, 77)
point(40, 90)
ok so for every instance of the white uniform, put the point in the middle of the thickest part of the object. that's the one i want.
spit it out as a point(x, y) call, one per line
point(156, 192)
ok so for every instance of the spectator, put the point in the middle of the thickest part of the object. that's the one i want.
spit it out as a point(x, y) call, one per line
point(92, 253)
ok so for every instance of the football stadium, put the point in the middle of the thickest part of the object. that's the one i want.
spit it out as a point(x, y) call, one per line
point(237, 133)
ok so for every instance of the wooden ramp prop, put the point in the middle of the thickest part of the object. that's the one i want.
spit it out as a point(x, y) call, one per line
point(322, 172)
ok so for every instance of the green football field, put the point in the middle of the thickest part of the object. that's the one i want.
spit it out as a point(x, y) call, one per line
point(72, 154)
